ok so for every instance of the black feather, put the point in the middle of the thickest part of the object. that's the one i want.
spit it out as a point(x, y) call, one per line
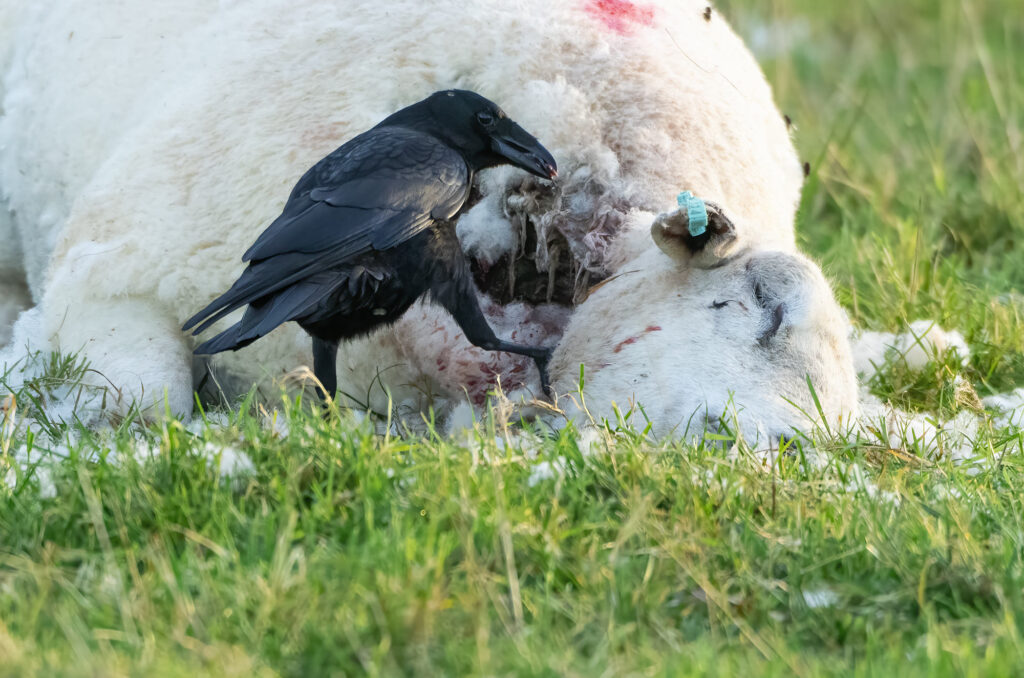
point(369, 229)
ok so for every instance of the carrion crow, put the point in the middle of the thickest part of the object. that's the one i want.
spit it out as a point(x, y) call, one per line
point(370, 229)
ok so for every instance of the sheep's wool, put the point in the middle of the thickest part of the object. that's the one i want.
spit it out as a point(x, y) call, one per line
point(141, 152)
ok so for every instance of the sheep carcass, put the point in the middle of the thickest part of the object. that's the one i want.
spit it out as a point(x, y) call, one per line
point(144, 151)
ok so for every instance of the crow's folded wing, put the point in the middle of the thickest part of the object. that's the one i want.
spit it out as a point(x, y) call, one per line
point(376, 191)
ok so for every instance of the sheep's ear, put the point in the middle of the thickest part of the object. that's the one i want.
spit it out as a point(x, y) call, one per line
point(671, 233)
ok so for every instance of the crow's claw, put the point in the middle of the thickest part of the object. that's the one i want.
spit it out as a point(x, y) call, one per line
point(542, 366)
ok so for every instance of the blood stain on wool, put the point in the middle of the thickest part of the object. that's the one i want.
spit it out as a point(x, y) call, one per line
point(625, 342)
point(621, 15)
point(632, 340)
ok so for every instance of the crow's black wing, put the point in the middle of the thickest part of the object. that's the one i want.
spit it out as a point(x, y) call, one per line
point(376, 191)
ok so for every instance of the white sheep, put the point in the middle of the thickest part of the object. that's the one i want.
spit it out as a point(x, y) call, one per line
point(142, 152)
point(712, 335)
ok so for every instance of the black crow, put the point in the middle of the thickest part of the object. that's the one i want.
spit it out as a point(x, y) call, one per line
point(370, 229)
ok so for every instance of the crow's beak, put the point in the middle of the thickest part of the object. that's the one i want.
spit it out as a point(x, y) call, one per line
point(518, 147)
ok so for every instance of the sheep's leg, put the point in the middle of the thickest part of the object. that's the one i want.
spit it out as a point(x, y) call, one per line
point(136, 352)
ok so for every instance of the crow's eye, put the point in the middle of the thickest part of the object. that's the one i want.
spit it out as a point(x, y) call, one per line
point(485, 118)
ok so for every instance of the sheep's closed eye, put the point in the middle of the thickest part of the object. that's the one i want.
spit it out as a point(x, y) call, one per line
point(719, 305)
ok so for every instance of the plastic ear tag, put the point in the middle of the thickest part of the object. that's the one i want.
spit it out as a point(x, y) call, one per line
point(696, 212)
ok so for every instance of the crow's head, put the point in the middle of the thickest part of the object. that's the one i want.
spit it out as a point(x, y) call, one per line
point(480, 130)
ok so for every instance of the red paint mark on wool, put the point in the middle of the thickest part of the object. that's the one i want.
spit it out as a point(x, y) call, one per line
point(621, 15)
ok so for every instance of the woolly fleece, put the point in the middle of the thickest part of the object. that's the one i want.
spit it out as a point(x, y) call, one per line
point(142, 152)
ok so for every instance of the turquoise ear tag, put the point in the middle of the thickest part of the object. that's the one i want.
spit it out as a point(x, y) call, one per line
point(696, 211)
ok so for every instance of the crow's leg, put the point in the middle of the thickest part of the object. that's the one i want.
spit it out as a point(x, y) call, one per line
point(325, 357)
point(463, 306)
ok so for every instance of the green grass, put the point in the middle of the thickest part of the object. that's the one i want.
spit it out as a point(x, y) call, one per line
point(911, 115)
point(348, 552)
point(345, 552)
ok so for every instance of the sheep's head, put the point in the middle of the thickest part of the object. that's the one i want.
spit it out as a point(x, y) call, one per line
point(742, 333)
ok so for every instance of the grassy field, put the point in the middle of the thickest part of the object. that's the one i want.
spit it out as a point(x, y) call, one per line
point(315, 547)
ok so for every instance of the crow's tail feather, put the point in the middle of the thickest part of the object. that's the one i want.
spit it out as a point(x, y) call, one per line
point(215, 310)
point(194, 320)
point(259, 280)
point(261, 318)
point(228, 340)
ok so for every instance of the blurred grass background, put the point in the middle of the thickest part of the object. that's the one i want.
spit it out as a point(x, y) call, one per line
point(342, 552)
point(911, 115)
